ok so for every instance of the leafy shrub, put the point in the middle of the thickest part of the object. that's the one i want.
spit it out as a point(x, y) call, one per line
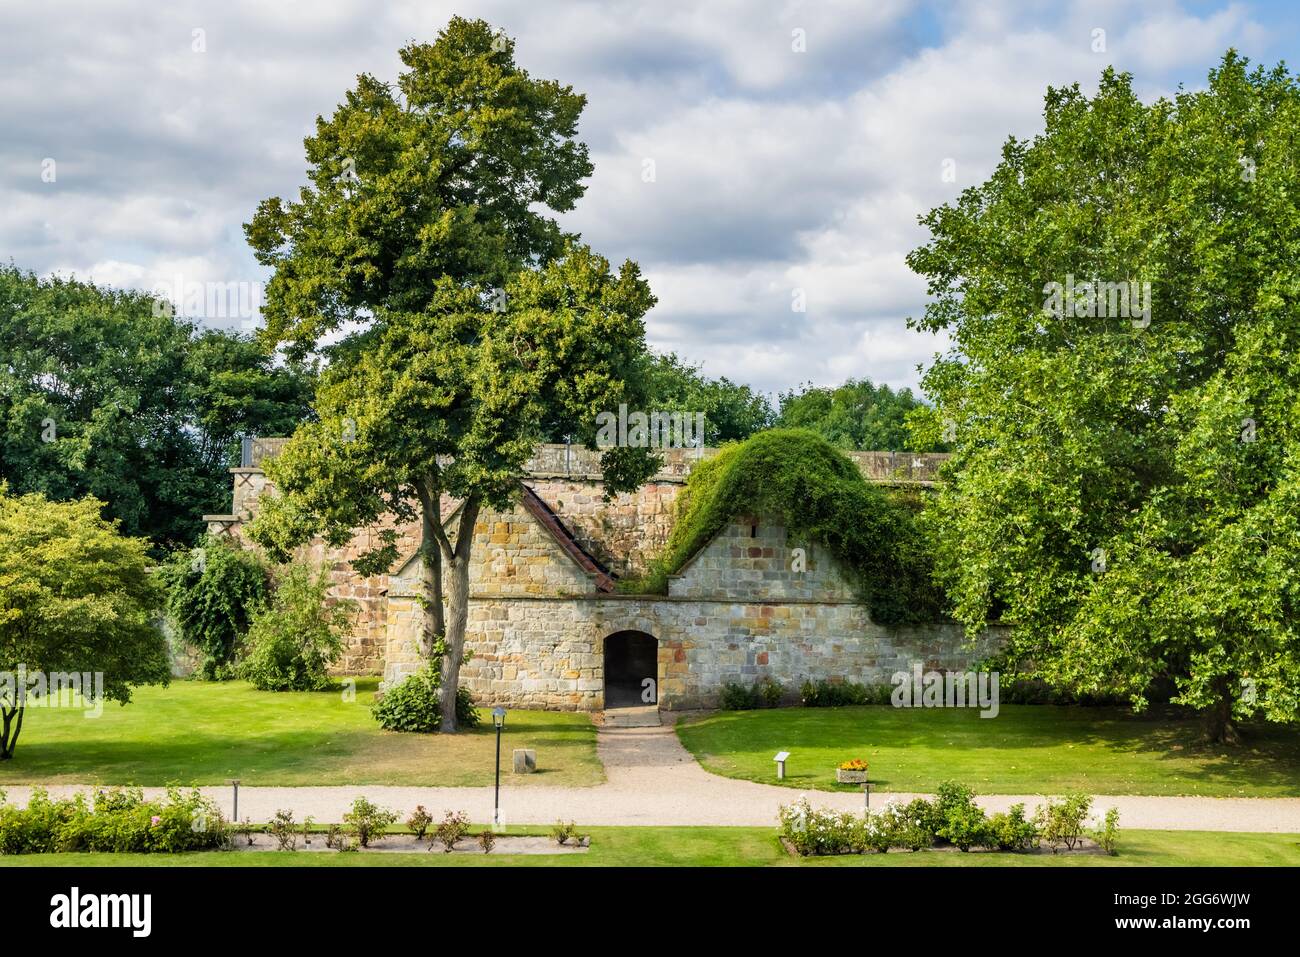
point(770, 692)
point(737, 697)
point(121, 822)
point(367, 821)
point(413, 704)
point(454, 826)
point(813, 831)
point(212, 592)
point(1107, 836)
point(283, 830)
point(918, 825)
point(927, 820)
point(334, 837)
point(835, 694)
point(963, 820)
point(562, 832)
point(1011, 830)
point(419, 822)
point(1061, 822)
point(487, 840)
point(763, 694)
point(293, 639)
point(818, 494)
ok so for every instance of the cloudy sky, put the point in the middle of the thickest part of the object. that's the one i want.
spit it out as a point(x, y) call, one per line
point(793, 144)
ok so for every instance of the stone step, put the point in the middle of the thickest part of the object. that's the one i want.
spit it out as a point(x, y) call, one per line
point(647, 717)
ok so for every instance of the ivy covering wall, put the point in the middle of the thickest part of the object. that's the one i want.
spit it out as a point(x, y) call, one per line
point(817, 493)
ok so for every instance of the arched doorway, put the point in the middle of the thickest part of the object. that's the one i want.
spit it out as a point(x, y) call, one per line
point(631, 670)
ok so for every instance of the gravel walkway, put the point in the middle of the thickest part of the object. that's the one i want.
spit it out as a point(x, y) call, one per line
point(653, 780)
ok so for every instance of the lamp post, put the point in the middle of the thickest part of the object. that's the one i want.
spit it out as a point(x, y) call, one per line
point(499, 720)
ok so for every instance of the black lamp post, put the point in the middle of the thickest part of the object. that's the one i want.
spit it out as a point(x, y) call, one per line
point(499, 720)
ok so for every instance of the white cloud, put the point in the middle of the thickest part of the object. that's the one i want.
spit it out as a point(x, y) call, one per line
point(775, 169)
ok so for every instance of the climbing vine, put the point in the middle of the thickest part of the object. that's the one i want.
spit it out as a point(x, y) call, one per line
point(818, 494)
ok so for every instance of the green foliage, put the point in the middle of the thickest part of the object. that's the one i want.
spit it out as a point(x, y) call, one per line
point(814, 831)
point(855, 415)
point(75, 597)
point(1107, 835)
point(104, 394)
point(117, 821)
point(562, 831)
point(367, 821)
point(732, 411)
point(295, 637)
point(962, 820)
point(1061, 823)
point(413, 705)
point(762, 694)
point(283, 830)
point(419, 821)
point(819, 495)
point(212, 593)
point(835, 694)
point(454, 826)
point(472, 324)
point(1011, 830)
point(1125, 491)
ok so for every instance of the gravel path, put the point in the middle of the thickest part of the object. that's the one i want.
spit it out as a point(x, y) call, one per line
point(653, 780)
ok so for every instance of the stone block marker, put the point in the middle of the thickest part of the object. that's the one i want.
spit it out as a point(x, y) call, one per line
point(525, 760)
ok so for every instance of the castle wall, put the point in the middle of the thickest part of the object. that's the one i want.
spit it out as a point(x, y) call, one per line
point(737, 612)
point(742, 611)
point(549, 653)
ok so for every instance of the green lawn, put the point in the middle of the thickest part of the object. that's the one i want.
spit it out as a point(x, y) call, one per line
point(751, 846)
point(195, 732)
point(1027, 749)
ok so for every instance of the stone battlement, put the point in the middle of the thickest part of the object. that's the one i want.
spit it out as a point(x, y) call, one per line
point(557, 460)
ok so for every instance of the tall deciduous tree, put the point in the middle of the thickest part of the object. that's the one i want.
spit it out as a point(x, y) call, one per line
point(104, 394)
point(76, 597)
point(1127, 473)
point(855, 415)
point(469, 324)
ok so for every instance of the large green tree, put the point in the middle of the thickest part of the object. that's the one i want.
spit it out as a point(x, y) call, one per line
point(732, 411)
point(1126, 480)
point(855, 415)
point(104, 394)
point(467, 325)
point(76, 598)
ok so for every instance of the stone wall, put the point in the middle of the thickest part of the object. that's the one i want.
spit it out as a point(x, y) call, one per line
point(549, 652)
point(740, 612)
point(538, 628)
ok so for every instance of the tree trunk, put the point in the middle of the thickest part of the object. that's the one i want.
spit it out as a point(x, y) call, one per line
point(455, 560)
point(9, 741)
point(434, 627)
point(1219, 726)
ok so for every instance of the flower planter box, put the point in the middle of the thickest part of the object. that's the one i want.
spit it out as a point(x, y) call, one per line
point(850, 777)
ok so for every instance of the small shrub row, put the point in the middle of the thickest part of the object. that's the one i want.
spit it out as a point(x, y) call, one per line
point(952, 818)
point(834, 694)
point(763, 694)
point(117, 820)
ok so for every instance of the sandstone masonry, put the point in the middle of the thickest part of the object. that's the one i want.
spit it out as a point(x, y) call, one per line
point(543, 618)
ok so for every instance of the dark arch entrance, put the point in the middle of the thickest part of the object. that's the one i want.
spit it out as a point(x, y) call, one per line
point(630, 658)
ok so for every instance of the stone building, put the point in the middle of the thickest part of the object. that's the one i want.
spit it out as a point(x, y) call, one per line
point(549, 629)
